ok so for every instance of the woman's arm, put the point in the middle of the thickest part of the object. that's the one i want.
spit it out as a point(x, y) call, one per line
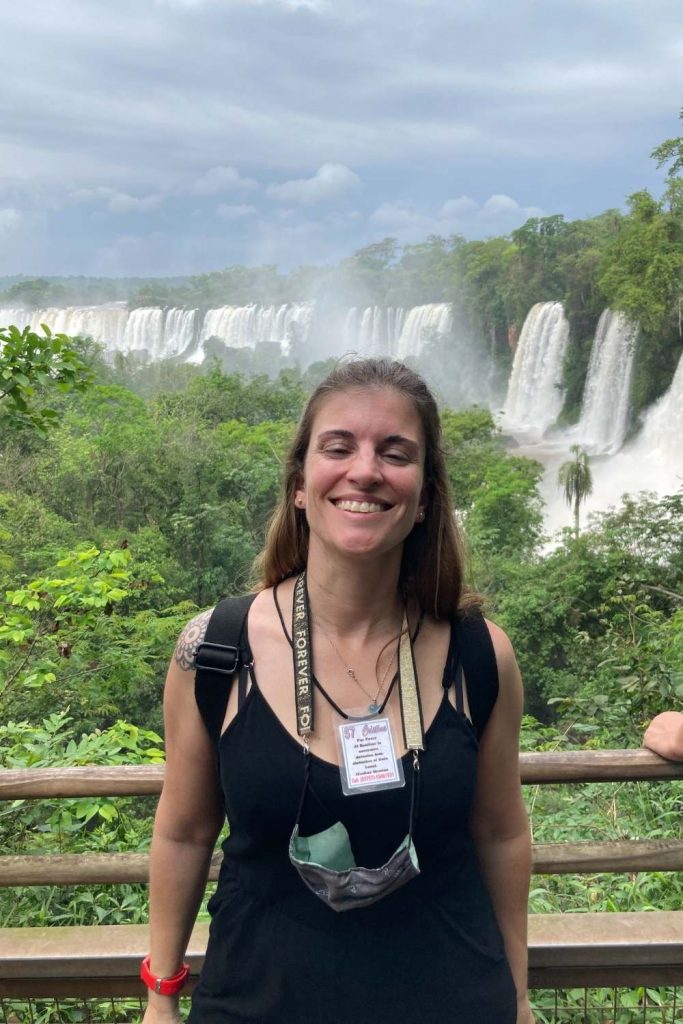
point(188, 820)
point(499, 821)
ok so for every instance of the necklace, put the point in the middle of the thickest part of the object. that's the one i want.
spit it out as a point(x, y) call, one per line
point(374, 706)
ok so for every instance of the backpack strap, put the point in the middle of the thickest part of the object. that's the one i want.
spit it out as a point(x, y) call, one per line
point(478, 660)
point(222, 651)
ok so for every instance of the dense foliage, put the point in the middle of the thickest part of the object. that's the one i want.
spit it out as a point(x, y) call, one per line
point(136, 512)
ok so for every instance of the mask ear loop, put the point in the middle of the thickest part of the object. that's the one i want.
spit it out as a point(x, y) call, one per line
point(414, 794)
point(304, 791)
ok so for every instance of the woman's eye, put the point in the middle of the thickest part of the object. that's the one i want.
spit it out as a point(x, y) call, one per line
point(396, 456)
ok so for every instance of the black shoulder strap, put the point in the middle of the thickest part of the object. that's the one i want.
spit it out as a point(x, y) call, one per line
point(217, 658)
point(479, 665)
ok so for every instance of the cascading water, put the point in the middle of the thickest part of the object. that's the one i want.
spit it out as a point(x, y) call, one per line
point(606, 398)
point(377, 332)
point(162, 334)
point(246, 326)
point(145, 330)
point(662, 430)
point(179, 330)
point(422, 324)
point(106, 324)
point(534, 399)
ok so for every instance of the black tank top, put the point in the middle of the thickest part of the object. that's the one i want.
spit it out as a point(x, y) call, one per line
point(429, 952)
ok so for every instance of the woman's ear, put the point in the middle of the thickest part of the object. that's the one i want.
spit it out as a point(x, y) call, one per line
point(300, 494)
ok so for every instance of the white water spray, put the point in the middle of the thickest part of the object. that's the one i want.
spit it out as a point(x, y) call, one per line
point(606, 398)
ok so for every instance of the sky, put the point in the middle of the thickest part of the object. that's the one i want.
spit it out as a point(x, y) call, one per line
point(174, 137)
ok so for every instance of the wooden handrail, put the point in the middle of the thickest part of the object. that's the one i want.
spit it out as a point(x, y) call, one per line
point(541, 768)
point(565, 951)
point(89, 780)
point(548, 858)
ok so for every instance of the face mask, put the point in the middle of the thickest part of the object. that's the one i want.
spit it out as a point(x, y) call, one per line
point(326, 864)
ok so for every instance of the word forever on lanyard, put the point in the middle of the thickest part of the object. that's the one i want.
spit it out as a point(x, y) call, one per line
point(301, 640)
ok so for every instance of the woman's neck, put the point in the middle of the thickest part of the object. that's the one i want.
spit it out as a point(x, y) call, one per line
point(354, 599)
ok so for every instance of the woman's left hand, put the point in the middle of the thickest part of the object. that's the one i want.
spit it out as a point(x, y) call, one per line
point(524, 1012)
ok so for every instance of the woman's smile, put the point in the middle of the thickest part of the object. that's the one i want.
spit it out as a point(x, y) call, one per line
point(363, 473)
point(360, 505)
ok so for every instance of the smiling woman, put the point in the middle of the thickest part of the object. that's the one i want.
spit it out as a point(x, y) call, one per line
point(362, 479)
point(371, 696)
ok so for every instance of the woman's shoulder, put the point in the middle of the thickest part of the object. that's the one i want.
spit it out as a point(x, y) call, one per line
point(502, 645)
point(258, 606)
point(191, 636)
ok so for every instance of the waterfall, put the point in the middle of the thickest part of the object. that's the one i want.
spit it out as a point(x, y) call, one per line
point(246, 326)
point(19, 317)
point(369, 327)
point(161, 333)
point(421, 324)
point(604, 413)
point(145, 331)
point(167, 333)
point(660, 438)
point(106, 324)
point(374, 331)
point(179, 330)
point(534, 399)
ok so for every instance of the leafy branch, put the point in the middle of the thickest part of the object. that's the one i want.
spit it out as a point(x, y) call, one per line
point(32, 366)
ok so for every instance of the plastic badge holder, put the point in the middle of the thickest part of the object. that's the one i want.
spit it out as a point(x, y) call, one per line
point(367, 754)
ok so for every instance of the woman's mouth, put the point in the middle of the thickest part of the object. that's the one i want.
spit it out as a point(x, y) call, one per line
point(348, 505)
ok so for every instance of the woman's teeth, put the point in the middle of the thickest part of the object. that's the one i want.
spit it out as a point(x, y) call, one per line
point(359, 506)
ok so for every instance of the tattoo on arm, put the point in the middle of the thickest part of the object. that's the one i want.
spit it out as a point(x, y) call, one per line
point(190, 638)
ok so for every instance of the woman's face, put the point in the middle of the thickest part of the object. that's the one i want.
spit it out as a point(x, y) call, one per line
point(362, 486)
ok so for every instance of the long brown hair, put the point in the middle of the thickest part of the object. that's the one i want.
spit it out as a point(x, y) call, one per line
point(432, 564)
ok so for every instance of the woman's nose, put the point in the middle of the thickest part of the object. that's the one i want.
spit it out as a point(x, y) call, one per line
point(364, 469)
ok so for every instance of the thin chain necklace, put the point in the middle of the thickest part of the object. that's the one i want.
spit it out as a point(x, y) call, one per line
point(374, 705)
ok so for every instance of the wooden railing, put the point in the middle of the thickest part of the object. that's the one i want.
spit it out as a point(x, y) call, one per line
point(564, 949)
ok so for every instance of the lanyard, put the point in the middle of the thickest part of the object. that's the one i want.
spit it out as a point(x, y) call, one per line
point(409, 693)
point(301, 646)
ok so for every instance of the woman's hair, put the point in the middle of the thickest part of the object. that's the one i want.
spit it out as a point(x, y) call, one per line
point(432, 565)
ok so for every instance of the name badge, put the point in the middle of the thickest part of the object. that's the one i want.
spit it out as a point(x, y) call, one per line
point(368, 756)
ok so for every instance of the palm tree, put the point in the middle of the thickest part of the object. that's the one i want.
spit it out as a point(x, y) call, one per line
point(576, 479)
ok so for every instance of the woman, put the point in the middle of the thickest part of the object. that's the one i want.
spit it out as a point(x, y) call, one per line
point(358, 638)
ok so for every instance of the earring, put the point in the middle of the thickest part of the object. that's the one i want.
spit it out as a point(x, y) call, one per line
point(419, 518)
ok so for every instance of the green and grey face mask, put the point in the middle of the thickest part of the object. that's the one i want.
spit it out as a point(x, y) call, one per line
point(326, 864)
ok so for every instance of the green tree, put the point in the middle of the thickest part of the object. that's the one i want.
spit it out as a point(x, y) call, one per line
point(670, 152)
point(576, 479)
point(34, 293)
point(31, 367)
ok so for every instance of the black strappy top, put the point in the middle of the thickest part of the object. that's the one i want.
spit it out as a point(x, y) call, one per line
point(429, 952)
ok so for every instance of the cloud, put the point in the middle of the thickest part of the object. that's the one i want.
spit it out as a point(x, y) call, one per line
point(499, 214)
point(237, 212)
point(330, 181)
point(499, 205)
point(10, 219)
point(458, 207)
point(221, 179)
point(180, 106)
point(116, 202)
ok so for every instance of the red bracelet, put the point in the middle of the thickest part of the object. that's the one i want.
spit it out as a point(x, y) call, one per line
point(164, 986)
